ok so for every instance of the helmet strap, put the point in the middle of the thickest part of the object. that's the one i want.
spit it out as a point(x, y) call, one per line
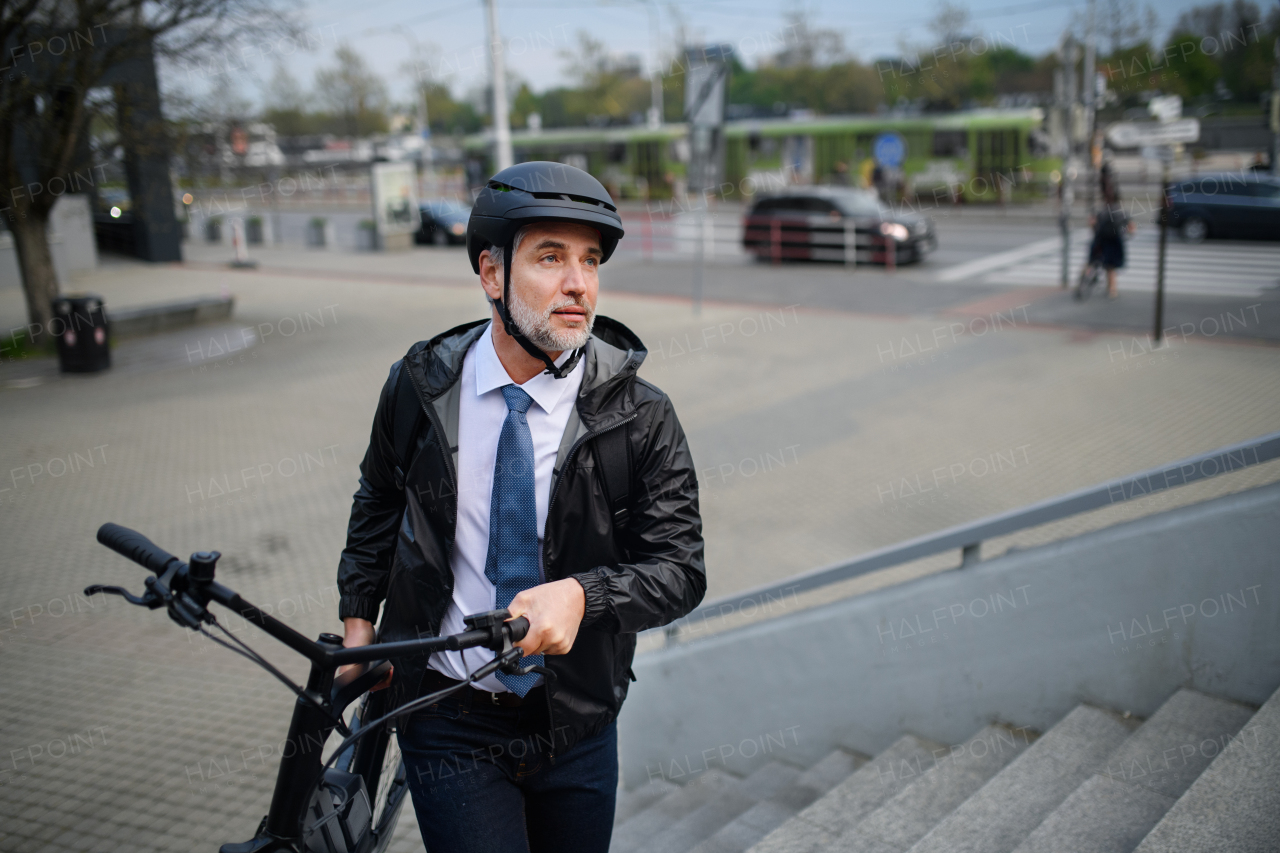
point(509, 324)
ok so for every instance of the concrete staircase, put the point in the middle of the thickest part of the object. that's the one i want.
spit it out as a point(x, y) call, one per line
point(1201, 774)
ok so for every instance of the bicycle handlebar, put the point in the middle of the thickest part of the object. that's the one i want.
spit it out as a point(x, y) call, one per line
point(491, 629)
point(135, 546)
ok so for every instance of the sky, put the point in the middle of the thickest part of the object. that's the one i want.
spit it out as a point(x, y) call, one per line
point(449, 37)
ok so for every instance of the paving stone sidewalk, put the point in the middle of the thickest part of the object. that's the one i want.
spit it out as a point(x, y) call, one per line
point(121, 732)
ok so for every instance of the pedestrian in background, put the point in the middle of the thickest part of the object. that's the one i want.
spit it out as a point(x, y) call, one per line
point(1110, 226)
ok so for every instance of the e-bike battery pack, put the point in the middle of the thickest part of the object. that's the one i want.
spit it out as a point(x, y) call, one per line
point(339, 818)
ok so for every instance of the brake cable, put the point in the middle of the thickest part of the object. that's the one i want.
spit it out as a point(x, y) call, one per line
point(252, 655)
point(430, 698)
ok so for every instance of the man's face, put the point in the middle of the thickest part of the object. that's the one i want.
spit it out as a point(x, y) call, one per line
point(554, 284)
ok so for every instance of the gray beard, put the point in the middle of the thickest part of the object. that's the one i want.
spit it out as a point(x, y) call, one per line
point(537, 327)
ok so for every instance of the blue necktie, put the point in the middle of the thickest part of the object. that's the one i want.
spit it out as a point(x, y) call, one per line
point(511, 564)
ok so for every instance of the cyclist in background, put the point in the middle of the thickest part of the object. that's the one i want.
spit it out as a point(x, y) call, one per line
point(1110, 226)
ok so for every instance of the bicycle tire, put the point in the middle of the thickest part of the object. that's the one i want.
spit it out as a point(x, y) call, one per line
point(377, 758)
point(1089, 278)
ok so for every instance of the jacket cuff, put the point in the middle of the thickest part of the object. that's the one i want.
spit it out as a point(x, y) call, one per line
point(597, 594)
point(358, 607)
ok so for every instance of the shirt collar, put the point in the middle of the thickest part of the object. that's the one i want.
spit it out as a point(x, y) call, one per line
point(544, 388)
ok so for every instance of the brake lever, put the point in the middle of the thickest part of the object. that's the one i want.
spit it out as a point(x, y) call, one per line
point(509, 660)
point(148, 599)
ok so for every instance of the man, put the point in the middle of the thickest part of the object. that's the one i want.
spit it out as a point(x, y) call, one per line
point(545, 477)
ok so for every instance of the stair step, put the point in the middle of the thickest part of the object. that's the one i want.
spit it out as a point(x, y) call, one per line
point(1235, 803)
point(917, 808)
point(1005, 810)
point(1114, 809)
point(728, 803)
point(759, 820)
point(637, 831)
point(631, 803)
point(816, 827)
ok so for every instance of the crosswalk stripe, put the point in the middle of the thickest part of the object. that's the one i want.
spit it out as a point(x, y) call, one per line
point(1240, 270)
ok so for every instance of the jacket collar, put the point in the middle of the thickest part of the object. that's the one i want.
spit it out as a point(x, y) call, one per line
point(613, 355)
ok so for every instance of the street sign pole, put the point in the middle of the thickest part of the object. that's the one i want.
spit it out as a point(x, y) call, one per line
point(1275, 111)
point(1068, 122)
point(1164, 241)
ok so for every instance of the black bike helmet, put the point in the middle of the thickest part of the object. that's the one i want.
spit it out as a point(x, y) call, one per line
point(538, 191)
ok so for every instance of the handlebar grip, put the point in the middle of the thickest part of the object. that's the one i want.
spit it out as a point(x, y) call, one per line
point(135, 546)
point(518, 627)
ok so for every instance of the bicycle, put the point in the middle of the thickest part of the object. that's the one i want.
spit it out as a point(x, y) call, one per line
point(1090, 276)
point(317, 806)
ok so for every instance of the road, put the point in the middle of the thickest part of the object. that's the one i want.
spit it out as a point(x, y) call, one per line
point(1231, 289)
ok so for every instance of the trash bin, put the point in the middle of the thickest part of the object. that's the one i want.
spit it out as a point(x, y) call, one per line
point(80, 325)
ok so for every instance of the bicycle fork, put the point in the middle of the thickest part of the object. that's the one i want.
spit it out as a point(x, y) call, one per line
point(300, 766)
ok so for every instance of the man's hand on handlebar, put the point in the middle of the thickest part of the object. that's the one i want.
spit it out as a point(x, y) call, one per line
point(554, 611)
point(360, 632)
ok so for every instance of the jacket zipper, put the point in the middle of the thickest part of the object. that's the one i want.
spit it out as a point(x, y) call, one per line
point(555, 492)
point(441, 438)
point(546, 556)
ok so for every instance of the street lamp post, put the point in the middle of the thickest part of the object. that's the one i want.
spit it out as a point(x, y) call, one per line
point(497, 67)
point(423, 123)
point(655, 86)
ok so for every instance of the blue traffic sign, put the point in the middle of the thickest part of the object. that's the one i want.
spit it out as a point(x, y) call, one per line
point(889, 149)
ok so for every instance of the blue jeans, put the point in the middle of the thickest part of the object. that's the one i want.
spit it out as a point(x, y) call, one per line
point(482, 780)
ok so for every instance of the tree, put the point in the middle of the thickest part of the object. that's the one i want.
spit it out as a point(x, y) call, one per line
point(807, 46)
point(610, 89)
point(1227, 43)
point(60, 50)
point(285, 104)
point(1124, 24)
point(950, 23)
point(353, 93)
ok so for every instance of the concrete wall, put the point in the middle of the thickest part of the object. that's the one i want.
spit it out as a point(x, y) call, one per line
point(71, 242)
point(1120, 618)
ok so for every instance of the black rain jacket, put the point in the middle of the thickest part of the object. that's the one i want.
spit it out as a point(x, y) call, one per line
point(646, 574)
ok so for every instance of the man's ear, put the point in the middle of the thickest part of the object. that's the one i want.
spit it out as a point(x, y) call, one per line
point(490, 276)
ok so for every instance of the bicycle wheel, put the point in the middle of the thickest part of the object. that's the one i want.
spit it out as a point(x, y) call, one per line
point(1088, 281)
point(377, 758)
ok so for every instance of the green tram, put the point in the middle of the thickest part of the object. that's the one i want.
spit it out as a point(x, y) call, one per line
point(981, 155)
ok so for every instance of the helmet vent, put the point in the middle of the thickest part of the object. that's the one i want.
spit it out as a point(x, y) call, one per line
point(580, 199)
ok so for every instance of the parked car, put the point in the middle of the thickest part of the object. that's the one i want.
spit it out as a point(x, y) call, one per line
point(444, 222)
point(834, 224)
point(1233, 205)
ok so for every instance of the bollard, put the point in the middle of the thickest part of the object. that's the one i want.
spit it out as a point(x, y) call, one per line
point(241, 259)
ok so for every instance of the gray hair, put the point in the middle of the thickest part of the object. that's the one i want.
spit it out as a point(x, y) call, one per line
point(496, 253)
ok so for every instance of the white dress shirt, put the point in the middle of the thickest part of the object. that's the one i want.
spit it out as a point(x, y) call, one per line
point(482, 410)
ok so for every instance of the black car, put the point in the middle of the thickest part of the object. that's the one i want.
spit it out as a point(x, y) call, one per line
point(444, 222)
point(1233, 205)
point(834, 224)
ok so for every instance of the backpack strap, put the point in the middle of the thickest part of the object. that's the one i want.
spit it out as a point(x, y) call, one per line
point(408, 416)
point(613, 450)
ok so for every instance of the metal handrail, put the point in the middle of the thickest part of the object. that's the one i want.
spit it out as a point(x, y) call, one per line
point(969, 537)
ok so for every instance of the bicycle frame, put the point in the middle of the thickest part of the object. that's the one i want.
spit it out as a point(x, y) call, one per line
point(186, 589)
point(312, 722)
